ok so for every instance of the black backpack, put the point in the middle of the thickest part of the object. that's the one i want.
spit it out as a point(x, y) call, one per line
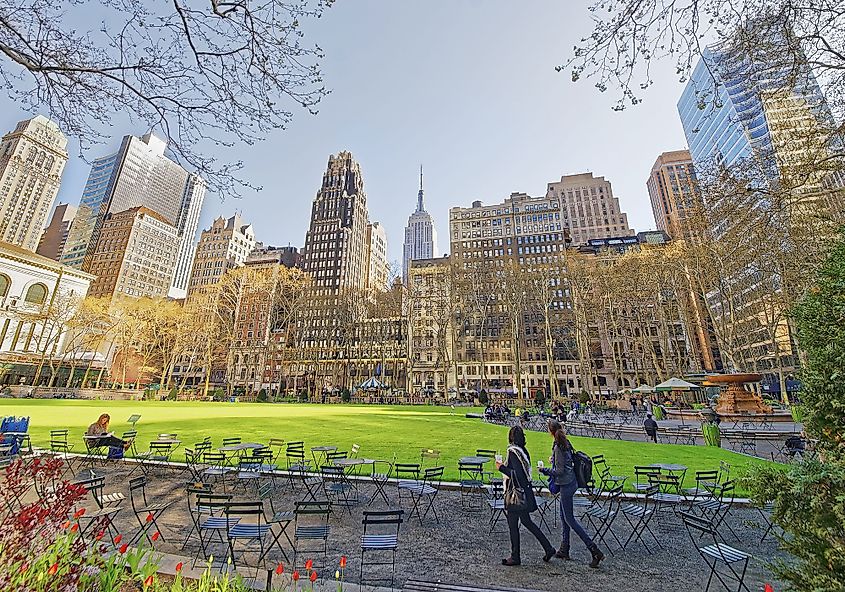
point(583, 467)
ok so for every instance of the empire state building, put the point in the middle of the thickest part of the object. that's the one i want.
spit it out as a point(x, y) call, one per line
point(420, 236)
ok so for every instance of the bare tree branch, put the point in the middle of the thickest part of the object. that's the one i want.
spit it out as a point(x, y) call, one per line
point(203, 72)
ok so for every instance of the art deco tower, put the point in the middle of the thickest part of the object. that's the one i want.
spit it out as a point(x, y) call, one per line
point(336, 242)
point(420, 235)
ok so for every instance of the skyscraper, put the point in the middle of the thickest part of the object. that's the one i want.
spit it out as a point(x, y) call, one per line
point(587, 208)
point(335, 253)
point(671, 188)
point(55, 235)
point(186, 226)
point(224, 246)
point(420, 235)
point(139, 174)
point(378, 269)
point(32, 159)
point(754, 117)
point(135, 255)
point(728, 104)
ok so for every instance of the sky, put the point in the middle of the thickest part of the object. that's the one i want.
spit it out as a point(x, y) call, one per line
point(466, 88)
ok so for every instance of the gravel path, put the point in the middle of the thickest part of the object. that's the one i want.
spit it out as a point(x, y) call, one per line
point(461, 549)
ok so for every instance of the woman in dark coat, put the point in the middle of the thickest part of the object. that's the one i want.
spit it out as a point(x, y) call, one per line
point(517, 471)
point(563, 472)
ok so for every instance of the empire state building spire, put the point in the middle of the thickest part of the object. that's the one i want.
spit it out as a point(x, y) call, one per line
point(420, 235)
point(420, 207)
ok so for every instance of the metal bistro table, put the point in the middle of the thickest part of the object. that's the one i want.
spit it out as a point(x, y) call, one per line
point(238, 449)
point(320, 453)
point(350, 466)
point(475, 460)
point(672, 469)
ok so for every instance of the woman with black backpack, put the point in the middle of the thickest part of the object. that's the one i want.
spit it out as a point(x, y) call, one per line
point(519, 496)
point(562, 475)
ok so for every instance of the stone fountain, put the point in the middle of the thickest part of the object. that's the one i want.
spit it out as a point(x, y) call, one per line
point(734, 398)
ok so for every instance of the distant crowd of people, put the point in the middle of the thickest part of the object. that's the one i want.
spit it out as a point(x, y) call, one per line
point(561, 413)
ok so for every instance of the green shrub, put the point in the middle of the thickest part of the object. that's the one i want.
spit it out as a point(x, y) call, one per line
point(712, 434)
point(345, 395)
point(483, 399)
point(262, 396)
point(809, 496)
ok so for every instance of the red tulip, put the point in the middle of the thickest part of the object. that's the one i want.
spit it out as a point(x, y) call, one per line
point(53, 569)
point(149, 517)
point(99, 536)
point(156, 535)
point(66, 524)
point(313, 576)
point(123, 548)
point(148, 582)
point(280, 569)
point(79, 513)
point(118, 538)
point(75, 527)
point(178, 567)
point(296, 576)
point(24, 567)
point(309, 564)
point(768, 588)
point(343, 560)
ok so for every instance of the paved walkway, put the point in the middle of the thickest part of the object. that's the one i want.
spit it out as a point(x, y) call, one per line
point(461, 548)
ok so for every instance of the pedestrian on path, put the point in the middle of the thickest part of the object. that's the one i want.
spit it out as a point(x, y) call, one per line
point(519, 496)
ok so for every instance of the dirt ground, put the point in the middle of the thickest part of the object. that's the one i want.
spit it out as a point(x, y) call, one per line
point(461, 548)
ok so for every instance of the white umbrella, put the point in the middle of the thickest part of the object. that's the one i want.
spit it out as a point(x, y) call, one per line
point(676, 384)
point(644, 388)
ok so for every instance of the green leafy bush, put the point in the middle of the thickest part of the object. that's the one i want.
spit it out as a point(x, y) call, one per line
point(712, 434)
point(809, 496)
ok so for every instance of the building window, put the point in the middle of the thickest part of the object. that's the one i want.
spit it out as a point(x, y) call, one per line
point(36, 294)
point(5, 282)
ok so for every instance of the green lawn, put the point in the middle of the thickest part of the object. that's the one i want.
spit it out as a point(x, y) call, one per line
point(382, 431)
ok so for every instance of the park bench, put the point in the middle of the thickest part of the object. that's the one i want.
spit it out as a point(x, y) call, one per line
point(423, 586)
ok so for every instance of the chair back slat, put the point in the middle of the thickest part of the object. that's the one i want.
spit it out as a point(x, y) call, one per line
point(383, 517)
point(698, 524)
point(247, 508)
point(433, 475)
point(312, 508)
point(214, 458)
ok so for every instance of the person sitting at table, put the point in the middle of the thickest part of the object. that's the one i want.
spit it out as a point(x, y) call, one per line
point(101, 428)
point(650, 427)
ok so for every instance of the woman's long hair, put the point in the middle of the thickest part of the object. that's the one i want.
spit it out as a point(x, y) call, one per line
point(516, 437)
point(559, 434)
point(105, 416)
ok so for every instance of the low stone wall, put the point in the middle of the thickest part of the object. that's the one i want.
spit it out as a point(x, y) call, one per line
point(43, 392)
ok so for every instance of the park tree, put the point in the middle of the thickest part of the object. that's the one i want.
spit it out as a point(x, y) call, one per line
point(202, 72)
point(793, 39)
point(48, 328)
point(809, 495)
point(630, 37)
point(286, 314)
